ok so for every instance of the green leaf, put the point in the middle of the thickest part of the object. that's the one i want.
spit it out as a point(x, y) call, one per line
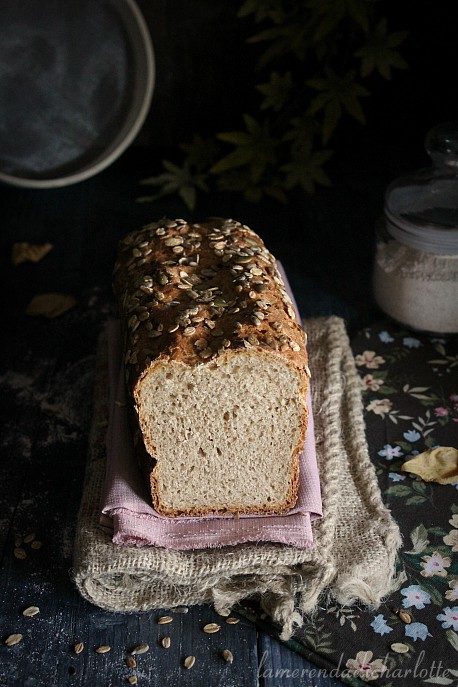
point(336, 93)
point(201, 152)
point(416, 500)
point(398, 490)
point(452, 637)
point(276, 91)
point(286, 38)
point(305, 169)
point(419, 486)
point(263, 9)
point(436, 596)
point(254, 148)
point(379, 52)
point(182, 180)
point(387, 390)
point(419, 539)
point(438, 531)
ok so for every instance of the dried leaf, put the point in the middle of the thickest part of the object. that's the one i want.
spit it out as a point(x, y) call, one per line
point(29, 252)
point(439, 465)
point(50, 304)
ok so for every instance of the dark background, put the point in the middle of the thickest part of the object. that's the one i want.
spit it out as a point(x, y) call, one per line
point(205, 78)
point(326, 242)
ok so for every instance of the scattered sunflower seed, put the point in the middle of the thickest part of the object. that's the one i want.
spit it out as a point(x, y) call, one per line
point(232, 621)
point(178, 249)
point(132, 680)
point(181, 609)
point(164, 620)
point(166, 641)
point(20, 553)
point(189, 661)
point(78, 648)
point(13, 639)
point(29, 538)
point(140, 649)
point(31, 611)
point(228, 656)
point(130, 662)
point(189, 331)
point(405, 617)
point(399, 648)
point(211, 628)
point(104, 649)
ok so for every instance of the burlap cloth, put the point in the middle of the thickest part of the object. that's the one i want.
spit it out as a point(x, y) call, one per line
point(356, 540)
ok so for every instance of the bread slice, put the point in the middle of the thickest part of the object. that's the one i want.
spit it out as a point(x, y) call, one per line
point(217, 367)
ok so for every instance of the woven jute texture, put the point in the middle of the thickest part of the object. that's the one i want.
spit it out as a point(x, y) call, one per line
point(356, 540)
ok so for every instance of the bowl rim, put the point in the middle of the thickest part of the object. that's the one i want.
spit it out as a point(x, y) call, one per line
point(91, 169)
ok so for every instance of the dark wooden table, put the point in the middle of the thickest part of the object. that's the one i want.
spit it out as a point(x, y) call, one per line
point(46, 370)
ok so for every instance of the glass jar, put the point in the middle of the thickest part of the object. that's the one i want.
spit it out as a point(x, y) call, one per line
point(416, 264)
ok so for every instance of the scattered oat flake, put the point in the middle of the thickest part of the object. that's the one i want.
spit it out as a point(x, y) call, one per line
point(189, 661)
point(29, 252)
point(140, 649)
point(31, 611)
point(132, 680)
point(29, 538)
point(13, 639)
point(78, 648)
point(232, 621)
point(20, 553)
point(50, 304)
point(164, 620)
point(211, 628)
point(104, 649)
point(228, 655)
point(36, 544)
point(438, 464)
point(166, 641)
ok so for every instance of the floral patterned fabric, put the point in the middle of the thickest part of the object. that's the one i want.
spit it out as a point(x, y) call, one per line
point(410, 395)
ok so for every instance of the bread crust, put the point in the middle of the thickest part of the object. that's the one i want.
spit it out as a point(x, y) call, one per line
point(198, 294)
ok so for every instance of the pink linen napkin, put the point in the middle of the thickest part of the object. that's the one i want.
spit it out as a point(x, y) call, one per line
point(127, 510)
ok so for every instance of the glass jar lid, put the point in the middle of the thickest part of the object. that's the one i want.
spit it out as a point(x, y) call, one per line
point(421, 209)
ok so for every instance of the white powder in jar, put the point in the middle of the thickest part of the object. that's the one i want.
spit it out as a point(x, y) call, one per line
point(416, 288)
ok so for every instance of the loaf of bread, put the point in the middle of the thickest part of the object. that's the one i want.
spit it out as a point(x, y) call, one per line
point(216, 365)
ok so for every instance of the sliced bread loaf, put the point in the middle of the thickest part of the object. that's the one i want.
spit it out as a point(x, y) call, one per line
point(217, 367)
